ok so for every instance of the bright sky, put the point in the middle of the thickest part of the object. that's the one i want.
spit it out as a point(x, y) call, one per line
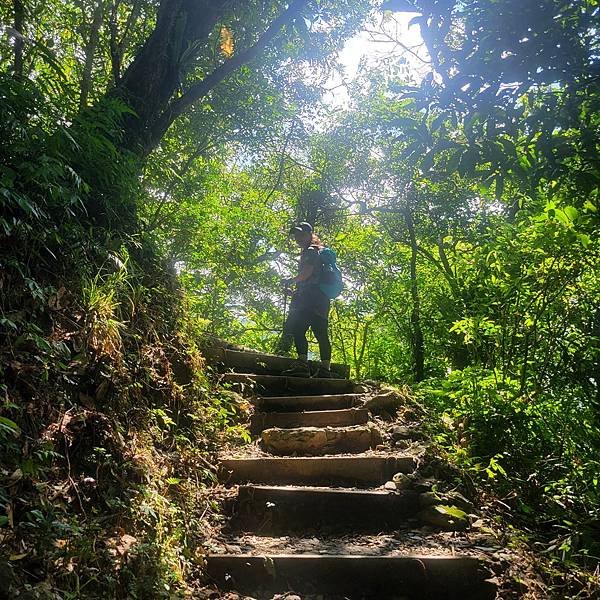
point(386, 41)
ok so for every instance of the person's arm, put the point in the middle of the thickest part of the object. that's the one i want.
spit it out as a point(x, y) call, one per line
point(308, 267)
point(307, 271)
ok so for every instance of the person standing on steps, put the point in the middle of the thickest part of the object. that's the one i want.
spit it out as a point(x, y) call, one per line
point(309, 307)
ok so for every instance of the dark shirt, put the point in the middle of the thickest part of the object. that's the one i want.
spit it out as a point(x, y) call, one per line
point(310, 256)
point(308, 296)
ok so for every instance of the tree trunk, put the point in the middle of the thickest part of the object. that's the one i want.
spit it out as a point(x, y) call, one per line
point(90, 52)
point(151, 86)
point(156, 89)
point(117, 46)
point(418, 346)
point(19, 25)
point(361, 354)
point(155, 75)
point(341, 335)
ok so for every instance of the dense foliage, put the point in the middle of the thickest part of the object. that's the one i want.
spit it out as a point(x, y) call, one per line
point(152, 156)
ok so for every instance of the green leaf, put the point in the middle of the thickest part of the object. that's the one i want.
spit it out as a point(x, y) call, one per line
point(9, 324)
point(584, 239)
point(437, 122)
point(411, 149)
point(499, 186)
point(8, 425)
point(453, 511)
point(427, 161)
point(561, 216)
point(467, 162)
point(405, 123)
point(453, 161)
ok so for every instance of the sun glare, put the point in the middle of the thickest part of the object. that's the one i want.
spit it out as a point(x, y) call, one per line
point(388, 43)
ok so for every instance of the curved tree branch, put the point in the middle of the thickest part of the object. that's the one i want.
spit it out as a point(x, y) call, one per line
point(203, 87)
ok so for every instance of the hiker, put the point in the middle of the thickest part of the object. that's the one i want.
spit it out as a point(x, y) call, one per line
point(309, 306)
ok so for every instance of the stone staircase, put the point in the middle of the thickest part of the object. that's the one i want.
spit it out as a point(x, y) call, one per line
point(313, 512)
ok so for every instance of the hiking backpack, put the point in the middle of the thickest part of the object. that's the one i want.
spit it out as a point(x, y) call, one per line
point(330, 281)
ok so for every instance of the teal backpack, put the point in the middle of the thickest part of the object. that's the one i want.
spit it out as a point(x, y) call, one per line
point(330, 282)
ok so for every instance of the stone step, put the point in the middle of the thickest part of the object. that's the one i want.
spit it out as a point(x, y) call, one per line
point(281, 510)
point(412, 577)
point(318, 441)
point(258, 362)
point(278, 385)
point(358, 471)
point(305, 403)
point(319, 418)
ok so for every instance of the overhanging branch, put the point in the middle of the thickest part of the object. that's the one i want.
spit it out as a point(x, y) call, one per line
point(201, 88)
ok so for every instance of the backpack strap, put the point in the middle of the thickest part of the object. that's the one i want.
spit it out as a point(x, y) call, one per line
point(328, 256)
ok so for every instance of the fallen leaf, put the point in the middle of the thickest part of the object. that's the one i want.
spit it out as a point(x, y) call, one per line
point(125, 544)
point(14, 557)
point(226, 42)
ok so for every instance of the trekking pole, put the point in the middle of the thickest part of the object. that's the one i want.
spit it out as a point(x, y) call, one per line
point(285, 301)
point(281, 343)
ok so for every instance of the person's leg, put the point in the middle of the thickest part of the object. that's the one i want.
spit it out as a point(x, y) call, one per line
point(284, 344)
point(286, 340)
point(290, 325)
point(298, 328)
point(320, 327)
point(301, 325)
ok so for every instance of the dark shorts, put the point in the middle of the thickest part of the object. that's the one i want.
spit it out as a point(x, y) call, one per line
point(310, 299)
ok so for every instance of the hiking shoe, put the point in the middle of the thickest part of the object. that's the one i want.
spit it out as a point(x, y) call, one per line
point(322, 373)
point(284, 345)
point(299, 369)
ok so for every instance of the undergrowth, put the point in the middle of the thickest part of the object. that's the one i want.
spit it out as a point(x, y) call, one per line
point(108, 430)
point(108, 420)
point(535, 458)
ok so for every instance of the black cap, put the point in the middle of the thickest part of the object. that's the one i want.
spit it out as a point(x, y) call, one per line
point(303, 227)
